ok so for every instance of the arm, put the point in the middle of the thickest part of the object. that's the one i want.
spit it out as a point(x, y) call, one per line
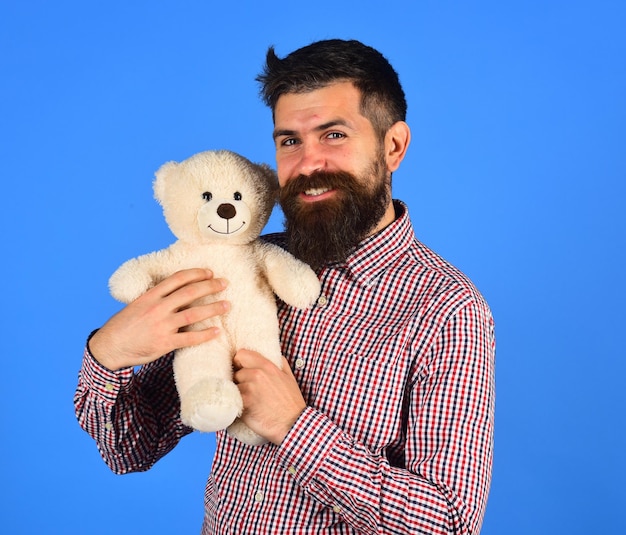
point(134, 419)
point(443, 483)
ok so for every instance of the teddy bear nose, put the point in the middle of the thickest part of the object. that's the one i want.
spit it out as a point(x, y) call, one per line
point(226, 211)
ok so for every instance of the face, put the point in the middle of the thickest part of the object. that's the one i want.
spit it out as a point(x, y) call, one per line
point(333, 173)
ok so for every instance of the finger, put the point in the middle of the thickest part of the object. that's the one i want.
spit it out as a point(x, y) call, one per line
point(180, 279)
point(242, 375)
point(195, 314)
point(187, 295)
point(193, 338)
point(287, 369)
point(245, 358)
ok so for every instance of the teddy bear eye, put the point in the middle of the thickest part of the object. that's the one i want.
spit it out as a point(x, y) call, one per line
point(237, 196)
point(207, 195)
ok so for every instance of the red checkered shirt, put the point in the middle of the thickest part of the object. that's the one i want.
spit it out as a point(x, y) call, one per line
point(396, 364)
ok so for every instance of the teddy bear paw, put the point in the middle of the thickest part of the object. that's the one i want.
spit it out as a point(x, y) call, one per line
point(305, 290)
point(129, 281)
point(211, 405)
point(244, 434)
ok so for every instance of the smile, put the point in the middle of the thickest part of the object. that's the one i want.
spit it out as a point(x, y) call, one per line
point(315, 192)
point(228, 231)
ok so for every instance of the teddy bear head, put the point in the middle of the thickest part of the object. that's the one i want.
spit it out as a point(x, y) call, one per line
point(216, 195)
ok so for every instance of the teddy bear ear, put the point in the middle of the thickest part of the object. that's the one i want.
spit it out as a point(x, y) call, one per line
point(270, 175)
point(166, 170)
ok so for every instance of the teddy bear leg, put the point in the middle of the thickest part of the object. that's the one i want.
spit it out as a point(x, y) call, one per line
point(244, 434)
point(210, 405)
point(209, 400)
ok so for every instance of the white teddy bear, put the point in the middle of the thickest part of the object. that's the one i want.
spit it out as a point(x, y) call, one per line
point(216, 203)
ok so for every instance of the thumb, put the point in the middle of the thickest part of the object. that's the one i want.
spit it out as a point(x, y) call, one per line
point(287, 368)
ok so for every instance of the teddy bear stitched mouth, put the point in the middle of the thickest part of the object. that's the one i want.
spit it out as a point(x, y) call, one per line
point(228, 231)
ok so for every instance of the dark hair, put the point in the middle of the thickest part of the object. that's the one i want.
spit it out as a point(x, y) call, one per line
point(326, 62)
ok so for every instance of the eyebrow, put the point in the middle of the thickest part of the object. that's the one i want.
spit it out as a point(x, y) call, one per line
point(330, 124)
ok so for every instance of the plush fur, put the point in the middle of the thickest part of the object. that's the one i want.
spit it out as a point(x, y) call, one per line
point(216, 203)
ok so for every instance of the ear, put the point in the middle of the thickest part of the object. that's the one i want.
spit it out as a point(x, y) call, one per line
point(161, 175)
point(397, 141)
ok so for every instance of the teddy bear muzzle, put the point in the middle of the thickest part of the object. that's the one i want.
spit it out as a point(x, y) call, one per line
point(223, 217)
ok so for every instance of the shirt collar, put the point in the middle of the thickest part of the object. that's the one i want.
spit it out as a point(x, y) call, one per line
point(377, 252)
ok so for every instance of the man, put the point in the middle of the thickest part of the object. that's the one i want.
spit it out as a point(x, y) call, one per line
point(381, 420)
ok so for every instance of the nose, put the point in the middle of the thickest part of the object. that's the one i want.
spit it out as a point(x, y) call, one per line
point(226, 211)
point(311, 159)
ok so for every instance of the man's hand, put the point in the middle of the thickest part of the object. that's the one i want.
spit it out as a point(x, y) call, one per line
point(272, 400)
point(149, 327)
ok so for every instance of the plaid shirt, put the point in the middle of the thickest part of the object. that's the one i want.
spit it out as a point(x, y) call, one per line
point(396, 363)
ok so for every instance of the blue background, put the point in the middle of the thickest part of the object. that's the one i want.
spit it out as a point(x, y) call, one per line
point(515, 174)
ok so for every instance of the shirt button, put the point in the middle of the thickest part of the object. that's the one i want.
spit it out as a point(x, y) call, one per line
point(336, 509)
point(322, 301)
point(258, 496)
point(292, 470)
point(108, 426)
point(299, 364)
point(109, 387)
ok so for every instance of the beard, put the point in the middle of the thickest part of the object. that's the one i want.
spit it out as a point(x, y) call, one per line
point(327, 231)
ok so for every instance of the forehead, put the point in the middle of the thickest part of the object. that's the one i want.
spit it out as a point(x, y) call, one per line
point(338, 101)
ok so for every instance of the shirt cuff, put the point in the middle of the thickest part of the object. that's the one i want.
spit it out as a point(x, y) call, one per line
point(99, 379)
point(307, 445)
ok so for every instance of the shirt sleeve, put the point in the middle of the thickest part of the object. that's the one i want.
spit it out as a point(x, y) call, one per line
point(443, 486)
point(133, 417)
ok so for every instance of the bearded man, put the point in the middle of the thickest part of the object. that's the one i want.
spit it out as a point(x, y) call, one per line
point(381, 419)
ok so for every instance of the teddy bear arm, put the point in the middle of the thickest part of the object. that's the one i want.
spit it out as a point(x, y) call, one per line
point(292, 280)
point(134, 278)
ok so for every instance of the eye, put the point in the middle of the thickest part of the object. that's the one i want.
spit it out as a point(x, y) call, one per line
point(237, 196)
point(286, 142)
point(207, 195)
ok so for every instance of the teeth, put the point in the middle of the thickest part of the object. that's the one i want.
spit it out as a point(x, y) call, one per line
point(316, 191)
